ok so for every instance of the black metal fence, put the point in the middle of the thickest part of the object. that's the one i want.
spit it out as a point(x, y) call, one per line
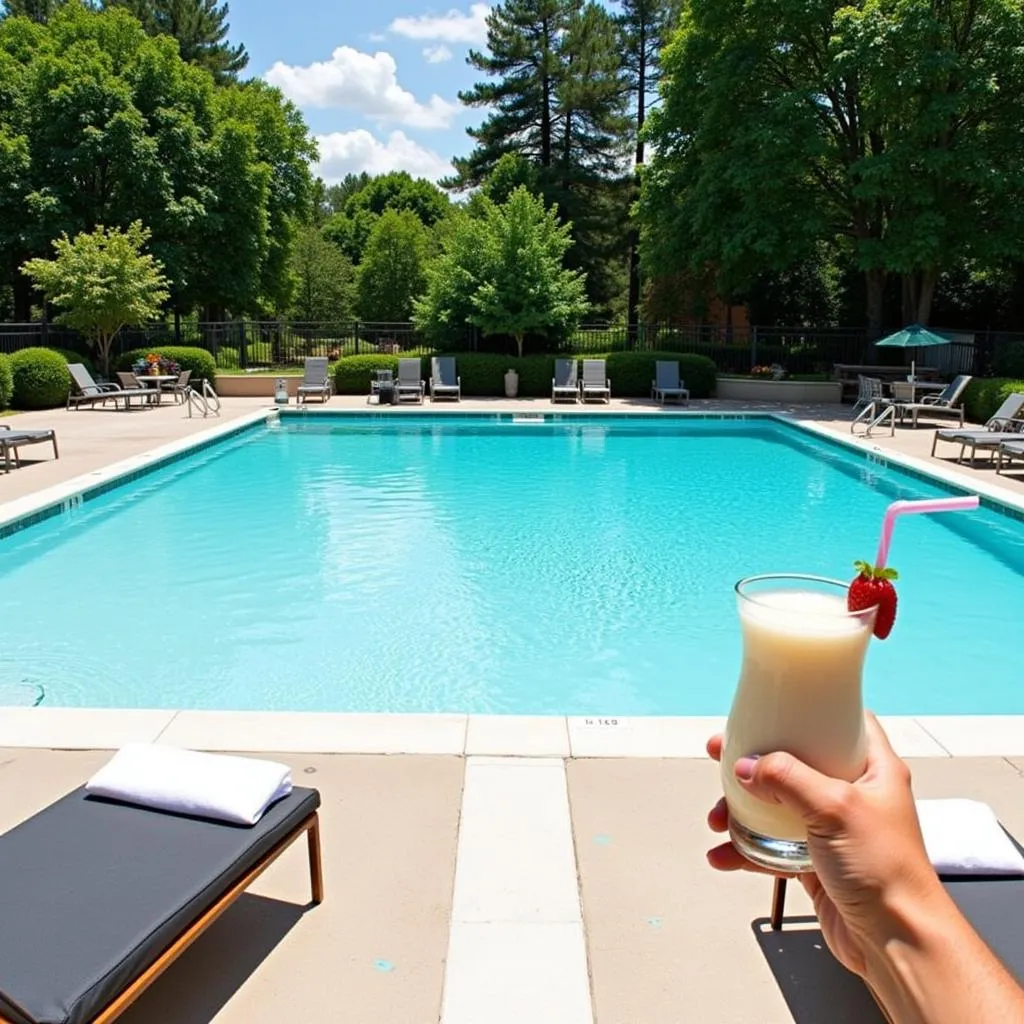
point(252, 345)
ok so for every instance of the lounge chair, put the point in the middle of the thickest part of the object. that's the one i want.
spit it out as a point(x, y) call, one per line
point(1008, 452)
point(178, 387)
point(948, 403)
point(409, 385)
point(315, 381)
point(85, 391)
point(98, 898)
point(595, 384)
point(666, 383)
point(11, 440)
point(444, 383)
point(1004, 425)
point(565, 385)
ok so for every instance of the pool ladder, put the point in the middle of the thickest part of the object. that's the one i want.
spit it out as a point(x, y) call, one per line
point(870, 417)
point(205, 402)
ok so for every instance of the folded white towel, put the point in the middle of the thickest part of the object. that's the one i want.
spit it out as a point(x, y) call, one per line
point(235, 789)
point(964, 837)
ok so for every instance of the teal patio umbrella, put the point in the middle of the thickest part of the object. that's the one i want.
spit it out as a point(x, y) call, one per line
point(915, 336)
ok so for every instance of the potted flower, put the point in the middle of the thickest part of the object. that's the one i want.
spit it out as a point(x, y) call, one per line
point(511, 383)
point(153, 362)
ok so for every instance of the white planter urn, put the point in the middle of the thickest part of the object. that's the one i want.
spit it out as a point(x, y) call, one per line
point(511, 384)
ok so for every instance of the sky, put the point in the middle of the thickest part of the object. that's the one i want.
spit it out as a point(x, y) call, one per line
point(376, 80)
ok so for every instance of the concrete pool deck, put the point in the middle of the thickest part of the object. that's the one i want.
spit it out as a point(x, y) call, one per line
point(489, 890)
point(486, 869)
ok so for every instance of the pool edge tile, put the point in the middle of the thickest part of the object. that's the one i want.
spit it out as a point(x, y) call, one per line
point(909, 738)
point(976, 735)
point(80, 728)
point(320, 732)
point(517, 736)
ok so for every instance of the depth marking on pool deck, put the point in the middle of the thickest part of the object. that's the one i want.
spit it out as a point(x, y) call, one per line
point(514, 736)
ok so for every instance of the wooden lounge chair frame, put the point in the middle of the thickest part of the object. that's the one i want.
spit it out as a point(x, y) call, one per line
point(310, 826)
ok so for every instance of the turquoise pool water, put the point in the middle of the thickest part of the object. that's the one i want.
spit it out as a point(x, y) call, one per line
point(575, 567)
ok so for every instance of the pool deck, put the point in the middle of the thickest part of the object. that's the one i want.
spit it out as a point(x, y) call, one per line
point(486, 869)
point(490, 890)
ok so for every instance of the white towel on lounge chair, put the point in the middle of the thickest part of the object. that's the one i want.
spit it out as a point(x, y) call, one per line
point(964, 837)
point(235, 789)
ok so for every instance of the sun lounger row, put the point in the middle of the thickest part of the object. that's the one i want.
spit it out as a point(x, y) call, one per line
point(1001, 437)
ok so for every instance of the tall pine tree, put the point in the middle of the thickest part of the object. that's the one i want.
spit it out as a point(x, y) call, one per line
point(555, 97)
point(644, 26)
point(38, 11)
point(200, 26)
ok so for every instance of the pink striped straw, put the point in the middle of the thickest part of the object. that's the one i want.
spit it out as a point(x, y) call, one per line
point(905, 508)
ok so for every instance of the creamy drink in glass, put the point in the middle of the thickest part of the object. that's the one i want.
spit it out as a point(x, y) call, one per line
point(799, 691)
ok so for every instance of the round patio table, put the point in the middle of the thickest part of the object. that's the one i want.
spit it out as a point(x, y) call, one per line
point(157, 380)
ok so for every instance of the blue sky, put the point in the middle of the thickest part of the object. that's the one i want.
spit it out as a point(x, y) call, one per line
point(377, 80)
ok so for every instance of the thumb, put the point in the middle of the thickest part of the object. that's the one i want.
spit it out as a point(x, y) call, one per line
point(780, 778)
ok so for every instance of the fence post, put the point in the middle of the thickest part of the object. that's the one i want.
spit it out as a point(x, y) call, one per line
point(356, 333)
point(243, 351)
point(753, 346)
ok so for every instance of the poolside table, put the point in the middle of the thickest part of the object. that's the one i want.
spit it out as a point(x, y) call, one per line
point(915, 386)
point(157, 381)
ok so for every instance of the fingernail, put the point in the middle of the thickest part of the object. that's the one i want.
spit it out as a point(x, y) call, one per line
point(744, 767)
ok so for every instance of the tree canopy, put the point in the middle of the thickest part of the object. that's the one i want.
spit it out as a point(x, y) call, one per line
point(323, 279)
point(504, 272)
point(887, 128)
point(101, 281)
point(391, 275)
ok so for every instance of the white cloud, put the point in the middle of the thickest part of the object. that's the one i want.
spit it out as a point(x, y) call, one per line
point(453, 27)
point(437, 54)
point(344, 153)
point(377, 37)
point(367, 83)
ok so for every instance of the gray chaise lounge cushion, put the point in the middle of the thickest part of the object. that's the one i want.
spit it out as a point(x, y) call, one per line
point(91, 892)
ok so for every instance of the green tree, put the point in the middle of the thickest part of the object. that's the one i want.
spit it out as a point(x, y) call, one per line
point(392, 274)
point(504, 272)
point(324, 280)
point(102, 281)
point(644, 27)
point(199, 26)
point(891, 124)
point(39, 11)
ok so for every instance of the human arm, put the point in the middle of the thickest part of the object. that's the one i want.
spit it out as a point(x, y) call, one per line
point(882, 909)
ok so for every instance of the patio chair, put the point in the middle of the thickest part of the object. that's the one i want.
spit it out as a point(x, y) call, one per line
point(1003, 425)
point(595, 384)
point(315, 381)
point(1008, 452)
point(948, 403)
point(178, 387)
point(565, 385)
point(666, 383)
point(444, 382)
point(105, 896)
point(869, 390)
point(85, 391)
point(409, 385)
point(11, 440)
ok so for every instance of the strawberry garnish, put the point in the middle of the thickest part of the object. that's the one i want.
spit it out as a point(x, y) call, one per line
point(874, 587)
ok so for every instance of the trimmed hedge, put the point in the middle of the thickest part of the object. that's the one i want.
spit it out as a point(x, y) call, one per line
point(77, 357)
point(41, 379)
point(984, 395)
point(198, 360)
point(6, 382)
point(483, 374)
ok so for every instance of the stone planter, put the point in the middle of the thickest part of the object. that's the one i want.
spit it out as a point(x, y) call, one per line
point(241, 385)
point(511, 384)
point(797, 392)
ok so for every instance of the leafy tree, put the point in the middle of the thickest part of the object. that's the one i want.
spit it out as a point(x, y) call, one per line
point(338, 193)
point(39, 11)
point(510, 171)
point(103, 281)
point(392, 274)
point(893, 124)
point(644, 27)
point(504, 272)
point(324, 280)
point(201, 28)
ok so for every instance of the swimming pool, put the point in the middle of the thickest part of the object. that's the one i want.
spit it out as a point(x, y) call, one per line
point(583, 565)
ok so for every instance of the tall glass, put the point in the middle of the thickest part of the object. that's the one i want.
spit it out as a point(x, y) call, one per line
point(799, 691)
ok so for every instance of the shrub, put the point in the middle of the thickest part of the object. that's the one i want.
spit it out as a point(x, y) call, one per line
point(352, 374)
point(984, 395)
point(77, 357)
point(1008, 359)
point(227, 358)
point(6, 382)
point(631, 373)
point(198, 360)
point(41, 379)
